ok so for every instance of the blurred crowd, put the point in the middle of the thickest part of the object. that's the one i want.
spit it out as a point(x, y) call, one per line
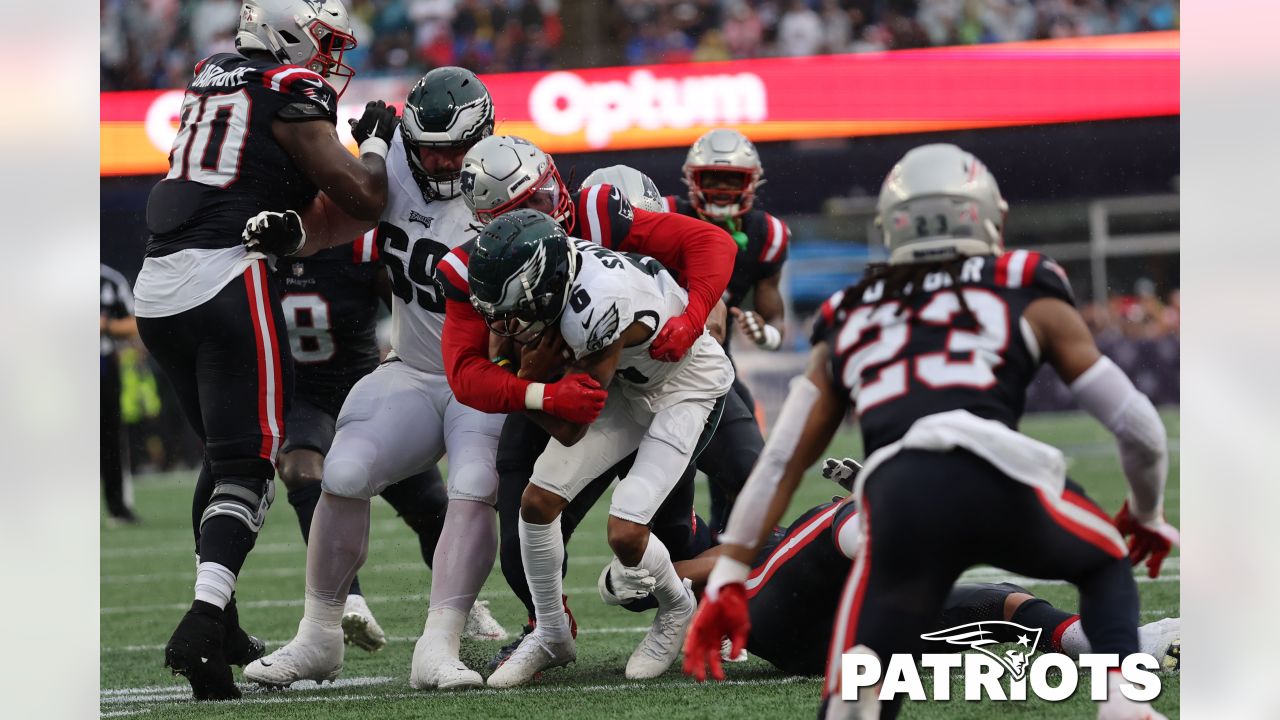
point(1144, 315)
point(155, 43)
point(707, 30)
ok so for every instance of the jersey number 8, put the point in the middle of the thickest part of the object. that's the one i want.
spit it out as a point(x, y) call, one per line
point(310, 331)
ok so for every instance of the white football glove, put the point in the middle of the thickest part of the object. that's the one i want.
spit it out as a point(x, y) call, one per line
point(841, 471)
point(627, 583)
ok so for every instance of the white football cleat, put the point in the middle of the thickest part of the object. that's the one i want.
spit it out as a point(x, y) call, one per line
point(481, 625)
point(661, 645)
point(315, 653)
point(1162, 640)
point(359, 628)
point(726, 647)
point(434, 668)
point(534, 655)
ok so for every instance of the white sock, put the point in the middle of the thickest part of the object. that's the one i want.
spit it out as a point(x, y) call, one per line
point(1073, 641)
point(215, 583)
point(542, 550)
point(322, 611)
point(668, 590)
point(444, 629)
point(456, 577)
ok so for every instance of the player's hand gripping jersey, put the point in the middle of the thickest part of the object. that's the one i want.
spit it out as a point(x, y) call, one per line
point(902, 360)
point(614, 290)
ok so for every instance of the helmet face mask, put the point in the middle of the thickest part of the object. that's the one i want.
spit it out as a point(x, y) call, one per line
point(520, 272)
point(446, 113)
point(503, 173)
point(314, 35)
point(723, 172)
point(940, 202)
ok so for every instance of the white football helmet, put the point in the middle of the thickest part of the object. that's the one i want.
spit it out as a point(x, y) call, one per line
point(310, 33)
point(723, 171)
point(502, 173)
point(940, 202)
point(634, 185)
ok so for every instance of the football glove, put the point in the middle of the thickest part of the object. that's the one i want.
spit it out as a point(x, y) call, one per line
point(1151, 540)
point(578, 398)
point(725, 615)
point(619, 584)
point(841, 472)
point(674, 339)
point(274, 233)
point(379, 120)
point(754, 327)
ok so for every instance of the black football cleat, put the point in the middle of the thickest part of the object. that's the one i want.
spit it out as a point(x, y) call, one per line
point(239, 647)
point(195, 651)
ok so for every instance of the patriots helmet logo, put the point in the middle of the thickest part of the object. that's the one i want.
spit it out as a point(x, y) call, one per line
point(979, 635)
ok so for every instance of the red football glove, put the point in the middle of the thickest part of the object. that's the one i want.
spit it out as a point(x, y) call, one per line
point(577, 398)
point(674, 339)
point(725, 616)
point(1151, 540)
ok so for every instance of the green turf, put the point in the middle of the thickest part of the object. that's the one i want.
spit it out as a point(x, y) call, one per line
point(147, 577)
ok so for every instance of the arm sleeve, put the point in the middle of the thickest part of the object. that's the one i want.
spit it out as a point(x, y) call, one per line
point(473, 377)
point(700, 254)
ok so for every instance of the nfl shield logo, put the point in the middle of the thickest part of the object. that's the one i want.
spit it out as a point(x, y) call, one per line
point(298, 269)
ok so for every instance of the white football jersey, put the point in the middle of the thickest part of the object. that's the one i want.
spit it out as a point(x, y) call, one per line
point(613, 291)
point(413, 235)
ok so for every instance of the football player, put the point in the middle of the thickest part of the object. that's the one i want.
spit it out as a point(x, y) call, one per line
point(528, 278)
point(793, 592)
point(933, 350)
point(257, 133)
point(722, 171)
point(400, 419)
point(330, 301)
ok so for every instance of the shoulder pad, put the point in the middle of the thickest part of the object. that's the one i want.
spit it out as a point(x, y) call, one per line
point(825, 321)
point(776, 237)
point(1035, 272)
point(604, 215)
point(451, 273)
point(307, 95)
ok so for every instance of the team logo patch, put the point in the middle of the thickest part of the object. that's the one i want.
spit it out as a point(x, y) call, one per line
point(468, 182)
point(415, 216)
point(603, 331)
point(978, 635)
point(298, 269)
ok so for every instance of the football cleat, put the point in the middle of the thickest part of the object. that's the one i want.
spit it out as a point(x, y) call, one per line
point(481, 625)
point(239, 647)
point(434, 668)
point(359, 627)
point(315, 653)
point(195, 651)
point(726, 647)
point(661, 645)
point(1162, 640)
point(534, 655)
point(506, 650)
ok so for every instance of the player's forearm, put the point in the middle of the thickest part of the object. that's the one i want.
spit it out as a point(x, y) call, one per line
point(565, 432)
point(327, 225)
point(475, 380)
point(122, 328)
point(701, 254)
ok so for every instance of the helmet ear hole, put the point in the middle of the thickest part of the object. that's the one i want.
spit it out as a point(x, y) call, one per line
point(289, 37)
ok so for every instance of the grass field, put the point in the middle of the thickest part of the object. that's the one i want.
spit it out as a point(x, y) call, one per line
point(147, 574)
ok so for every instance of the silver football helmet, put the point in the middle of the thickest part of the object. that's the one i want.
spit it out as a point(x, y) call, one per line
point(634, 185)
point(940, 202)
point(723, 172)
point(502, 173)
point(310, 33)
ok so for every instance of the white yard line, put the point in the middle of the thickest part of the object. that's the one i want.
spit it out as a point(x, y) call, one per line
point(300, 570)
point(374, 599)
point(168, 693)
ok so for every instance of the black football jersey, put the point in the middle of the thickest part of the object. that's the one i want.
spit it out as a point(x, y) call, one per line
point(225, 165)
point(330, 301)
point(762, 247)
point(900, 360)
point(793, 591)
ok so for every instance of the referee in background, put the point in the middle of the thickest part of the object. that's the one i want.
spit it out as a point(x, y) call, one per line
point(116, 323)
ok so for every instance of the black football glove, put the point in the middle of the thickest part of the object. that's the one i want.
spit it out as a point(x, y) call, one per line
point(841, 471)
point(274, 233)
point(379, 120)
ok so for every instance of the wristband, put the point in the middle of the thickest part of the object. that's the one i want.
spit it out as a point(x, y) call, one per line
point(772, 338)
point(501, 361)
point(726, 571)
point(374, 146)
point(533, 396)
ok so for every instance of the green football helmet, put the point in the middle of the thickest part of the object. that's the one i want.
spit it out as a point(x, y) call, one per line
point(520, 272)
point(449, 109)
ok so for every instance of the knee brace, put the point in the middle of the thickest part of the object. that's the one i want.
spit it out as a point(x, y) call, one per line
point(242, 498)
